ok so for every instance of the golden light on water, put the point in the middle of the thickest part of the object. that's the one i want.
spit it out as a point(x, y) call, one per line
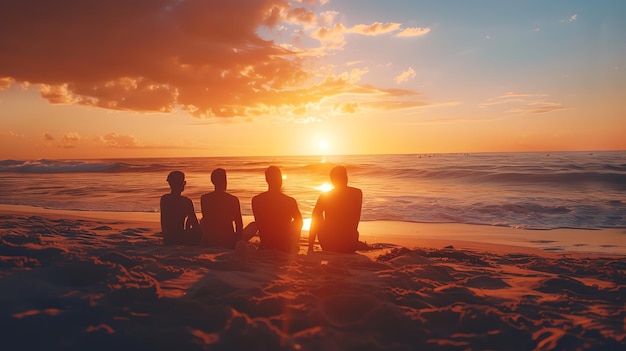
point(325, 187)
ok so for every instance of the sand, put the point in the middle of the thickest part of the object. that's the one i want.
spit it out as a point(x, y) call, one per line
point(89, 281)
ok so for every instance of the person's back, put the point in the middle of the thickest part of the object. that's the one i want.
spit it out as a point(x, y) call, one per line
point(179, 224)
point(221, 214)
point(277, 216)
point(336, 215)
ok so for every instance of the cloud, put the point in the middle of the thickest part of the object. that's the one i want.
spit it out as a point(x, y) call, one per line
point(405, 76)
point(47, 136)
point(376, 28)
point(350, 107)
point(5, 83)
point(114, 140)
point(205, 57)
point(332, 38)
point(524, 103)
point(68, 140)
point(413, 32)
point(56, 94)
point(127, 141)
point(572, 18)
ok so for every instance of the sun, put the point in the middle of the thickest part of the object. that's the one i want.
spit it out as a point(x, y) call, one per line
point(324, 145)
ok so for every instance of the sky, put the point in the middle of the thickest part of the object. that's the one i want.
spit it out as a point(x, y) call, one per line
point(186, 78)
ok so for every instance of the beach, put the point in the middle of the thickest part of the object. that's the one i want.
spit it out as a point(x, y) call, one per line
point(75, 280)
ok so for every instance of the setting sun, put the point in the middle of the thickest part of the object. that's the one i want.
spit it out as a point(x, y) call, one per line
point(324, 145)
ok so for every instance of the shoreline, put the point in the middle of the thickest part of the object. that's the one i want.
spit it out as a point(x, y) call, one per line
point(605, 241)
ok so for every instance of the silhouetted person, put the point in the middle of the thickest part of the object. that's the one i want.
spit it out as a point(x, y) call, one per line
point(179, 223)
point(277, 215)
point(221, 215)
point(336, 215)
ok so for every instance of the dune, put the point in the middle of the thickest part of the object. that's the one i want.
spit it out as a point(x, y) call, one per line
point(79, 280)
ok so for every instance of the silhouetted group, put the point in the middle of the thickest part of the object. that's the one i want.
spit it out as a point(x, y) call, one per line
point(277, 219)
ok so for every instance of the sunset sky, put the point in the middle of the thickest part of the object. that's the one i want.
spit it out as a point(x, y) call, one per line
point(159, 78)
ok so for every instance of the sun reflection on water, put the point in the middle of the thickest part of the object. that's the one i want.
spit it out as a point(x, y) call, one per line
point(325, 187)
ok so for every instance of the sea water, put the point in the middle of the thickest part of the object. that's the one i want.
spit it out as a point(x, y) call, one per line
point(584, 190)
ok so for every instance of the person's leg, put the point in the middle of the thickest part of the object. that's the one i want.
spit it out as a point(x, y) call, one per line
point(192, 237)
point(172, 239)
point(249, 231)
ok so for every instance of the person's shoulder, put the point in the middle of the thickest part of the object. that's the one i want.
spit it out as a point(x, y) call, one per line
point(208, 196)
point(355, 190)
point(232, 198)
point(260, 196)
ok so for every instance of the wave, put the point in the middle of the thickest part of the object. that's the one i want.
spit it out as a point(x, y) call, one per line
point(486, 176)
point(55, 166)
point(465, 170)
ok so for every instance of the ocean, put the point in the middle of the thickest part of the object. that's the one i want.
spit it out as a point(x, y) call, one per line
point(585, 190)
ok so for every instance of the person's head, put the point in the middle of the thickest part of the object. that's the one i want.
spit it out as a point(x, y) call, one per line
point(218, 178)
point(176, 179)
point(274, 177)
point(339, 176)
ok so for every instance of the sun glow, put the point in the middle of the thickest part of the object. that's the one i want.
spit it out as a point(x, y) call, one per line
point(324, 145)
point(325, 187)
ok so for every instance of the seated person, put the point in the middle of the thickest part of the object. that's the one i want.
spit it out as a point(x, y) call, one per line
point(220, 212)
point(179, 223)
point(336, 215)
point(277, 215)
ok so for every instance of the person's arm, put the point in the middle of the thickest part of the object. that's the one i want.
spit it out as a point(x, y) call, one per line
point(297, 217)
point(237, 219)
point(192, 219)
point(316, 220)
point(204, 206)
point(360, 207)
point(256, 212)
point(161, 205)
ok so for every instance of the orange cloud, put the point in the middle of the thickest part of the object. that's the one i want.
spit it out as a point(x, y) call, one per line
point(405, 75)
point(375, 29)
point(113, 140)
point(206, 57)
point(5, 83)
point(146, 55)
point(350, 107)
point(68, 140)
point(331, 37)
